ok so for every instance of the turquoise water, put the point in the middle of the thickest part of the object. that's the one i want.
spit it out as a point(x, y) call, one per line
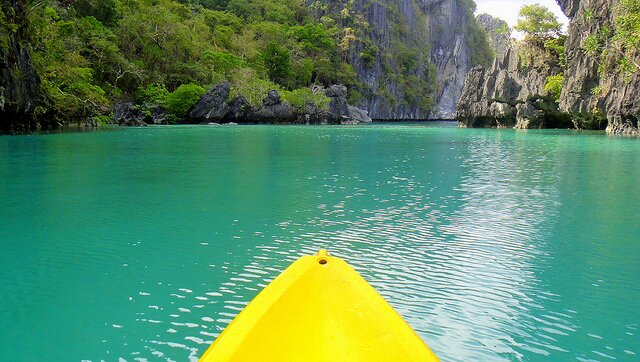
point(493, 244)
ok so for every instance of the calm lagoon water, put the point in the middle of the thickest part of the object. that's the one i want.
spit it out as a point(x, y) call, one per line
point(143, 244)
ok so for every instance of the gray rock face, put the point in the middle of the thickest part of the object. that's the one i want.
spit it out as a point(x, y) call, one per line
point(238, 109)
point(338, 95)
point(359, 115)
point(498, 33)
point(528, 116)
point(272, 99)
point(213, 105)
point(157, 115)
point(569, 7)
point(449, 53)
point(131, 115)
point(126, 114)
point(616, 104)
point(19, 83)
point(510, 95)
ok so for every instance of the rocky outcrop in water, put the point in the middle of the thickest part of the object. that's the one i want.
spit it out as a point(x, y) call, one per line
point(19, 83)
point(594, 99)
point(338, 104)
point(135, 115)
point(214, 107)
point(511, 94)
point(273, 110)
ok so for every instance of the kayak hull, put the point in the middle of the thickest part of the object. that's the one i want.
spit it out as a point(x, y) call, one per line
point(318, 309)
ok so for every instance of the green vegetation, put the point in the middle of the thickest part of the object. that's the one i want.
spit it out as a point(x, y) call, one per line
point(543, 45)
point(626, 41)
point(181, 100)
point(555, 47)
point(90, 53)
point(300, 97)
point(537, 21)
point(479, 47)
point(554, 86)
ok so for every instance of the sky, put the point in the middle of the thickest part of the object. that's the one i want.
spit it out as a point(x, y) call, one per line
point(508, 10)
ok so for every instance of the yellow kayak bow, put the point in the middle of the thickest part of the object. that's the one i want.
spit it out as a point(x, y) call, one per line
point(318, 309)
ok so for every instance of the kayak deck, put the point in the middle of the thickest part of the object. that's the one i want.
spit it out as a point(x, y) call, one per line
point(318, 309)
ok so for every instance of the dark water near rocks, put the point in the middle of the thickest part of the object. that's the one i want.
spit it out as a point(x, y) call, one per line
point(142, 244)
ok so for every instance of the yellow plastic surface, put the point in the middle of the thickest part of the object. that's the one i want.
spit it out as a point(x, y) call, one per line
point(318, 309)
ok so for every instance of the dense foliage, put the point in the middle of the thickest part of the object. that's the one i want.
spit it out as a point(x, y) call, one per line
point(89, 53)
point(543, 45)
point(554, 86)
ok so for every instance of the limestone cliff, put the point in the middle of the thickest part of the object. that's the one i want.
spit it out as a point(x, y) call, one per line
point(599, 90)
point(450, 55)
point(19, 83)
point(592, 89)
point(411, 56)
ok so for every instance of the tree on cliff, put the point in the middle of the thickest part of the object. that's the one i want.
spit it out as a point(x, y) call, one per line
point(537, 22)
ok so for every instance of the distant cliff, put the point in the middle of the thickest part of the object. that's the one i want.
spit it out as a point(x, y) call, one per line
point(456, 44)
point(498, 32)
point(19, 83)
point(410, 55)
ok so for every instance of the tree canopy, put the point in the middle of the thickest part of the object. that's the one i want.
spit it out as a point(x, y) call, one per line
point(537, 21)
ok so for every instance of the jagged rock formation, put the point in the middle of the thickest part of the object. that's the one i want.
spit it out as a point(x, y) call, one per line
point(338, 96)
point(19, 83)
point(410, 55)
point(587, 95)
point(214, 107)
point(511, 94)
point(498, 33)
point(591, 98)
point(129, 114)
